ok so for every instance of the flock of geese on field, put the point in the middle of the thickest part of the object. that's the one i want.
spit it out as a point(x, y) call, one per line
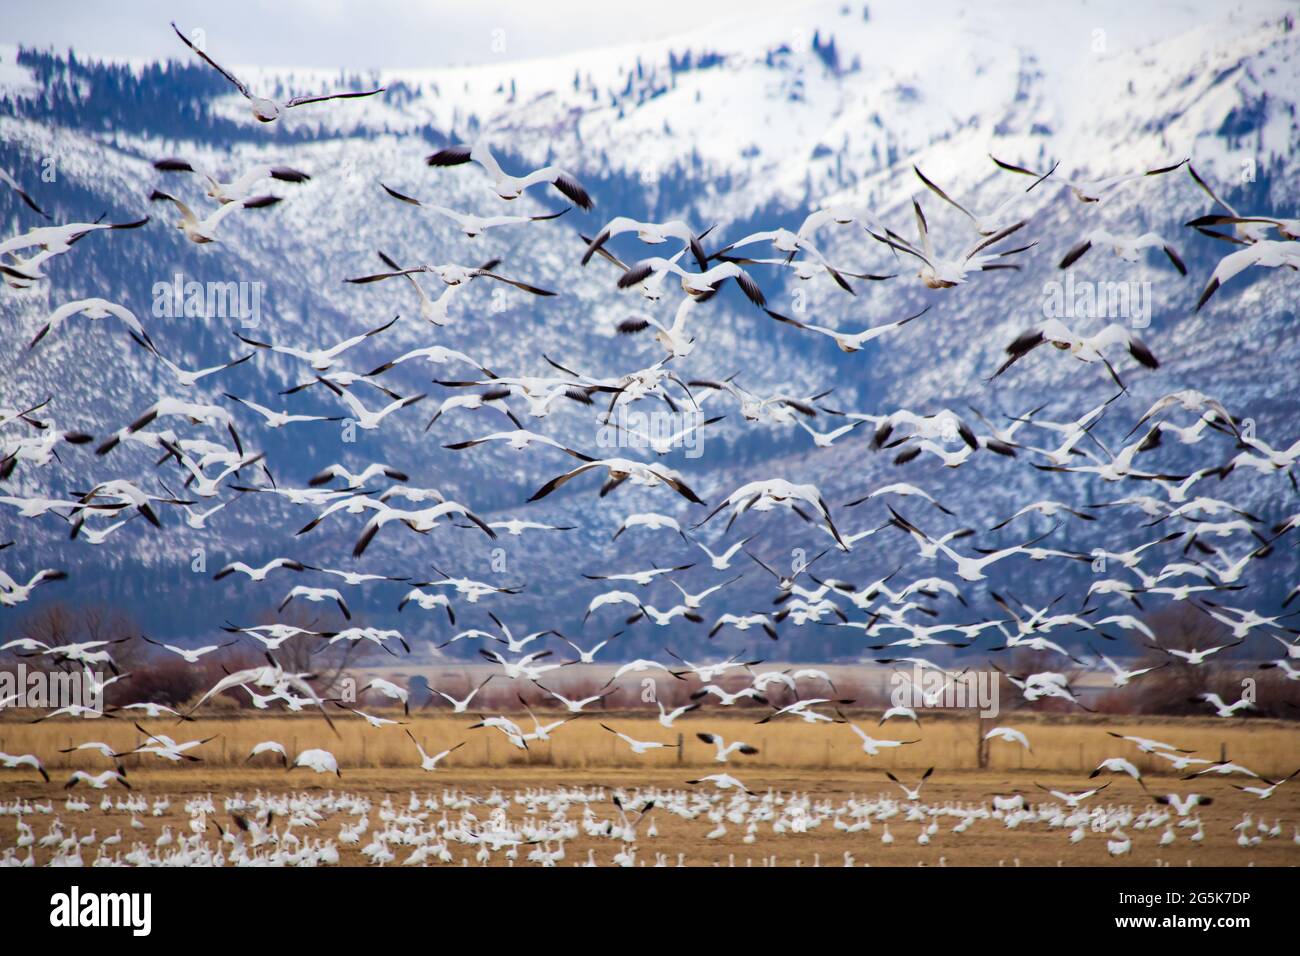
point(579, 826)
point(1200, 548)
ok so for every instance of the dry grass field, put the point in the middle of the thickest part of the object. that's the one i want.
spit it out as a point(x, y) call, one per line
point(825, 762)
point(1060, 743)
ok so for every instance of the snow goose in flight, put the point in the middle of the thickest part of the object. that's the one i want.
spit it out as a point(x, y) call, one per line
point(371, 719)
point(696, 600)
point(578, 705)
point(825, 440)
point(1073, 800)
point(505, 185)
point(160, 745)
point(743, 622)
point(187, 378)
point(267, 110)
point(52, 241)
point(420, 520)
point(201, 231)
point(848, 341)
point(587, 656)
point(201, 484)
point(8, 180)
point(620, 470)
point(723, 781)
point(472, 401)
point(429, 762)
point(724, 749)
point(1266, 253)
point(1197, 657)
point(12, 593)
point(722, 560)
point(434, 355)
point(805, 269)
point(1009, 735)
point(14, 761)
point(900, 488)
point(673, 337)
point(452, 275)
point(641, 578)
point(515, 527)
point(364, 417)
point(1188, 400)
point(994, 222)
point(668, 717)
point(639, 747)
point(472, 590)
point(1088, 348)
point(93, 309)
point(189, 655)
point(694, 283)
point(764, 495)
point(236, 189)
point(1117, 765)
point(317, 595)
point(470, 224)
point(943, 425)
point(461, 705)
point(1222, 709)
point(518, 439)
point(1046, 508)
point(1120, 676)
point(1042, 684)
point(96, 781)
point(651, 521)
point(652, 289)
point(911, 793)
point(258, 574)
point(792, 243)
point(320, 359)
point(802, 710)
point(1183, 805)
point(871, 746)
point(1247, 228)
point(1147, 745)
point(269, 747)
point(944, 273)
point(124, 492)
point(391, 691)
point(785, 582)
point(1128, 248)
point(1099, 190)
point(651, 233)
point(321, 761)
point(274, 419)
point(663, 444)
point(356, 479)
point(1265, 792)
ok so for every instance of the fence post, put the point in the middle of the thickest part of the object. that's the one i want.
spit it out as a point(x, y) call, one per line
point(679, 748)
point(981, 745)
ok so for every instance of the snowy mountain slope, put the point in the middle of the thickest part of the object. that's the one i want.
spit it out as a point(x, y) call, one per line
point(738, 129)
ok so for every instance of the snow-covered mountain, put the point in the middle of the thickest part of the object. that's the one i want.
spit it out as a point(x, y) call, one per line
point(738, 129)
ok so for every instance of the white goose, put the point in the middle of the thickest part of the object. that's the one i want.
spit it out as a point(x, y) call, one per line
point(267, 110)
point(505, 185)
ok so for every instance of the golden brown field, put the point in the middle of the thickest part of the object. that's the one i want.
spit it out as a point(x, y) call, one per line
point(1065, 743)
point(825, 762)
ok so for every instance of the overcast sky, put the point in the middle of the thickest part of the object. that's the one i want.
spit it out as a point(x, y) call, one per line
point(355, 34)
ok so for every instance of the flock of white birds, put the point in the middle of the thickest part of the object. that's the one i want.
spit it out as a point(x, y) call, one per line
point(1203, 547)
point(536, 826)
